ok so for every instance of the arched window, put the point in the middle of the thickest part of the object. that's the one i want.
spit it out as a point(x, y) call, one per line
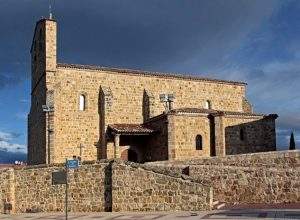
point(198, 142)
point(208, 104)
point(242, 134)
point(82, 102)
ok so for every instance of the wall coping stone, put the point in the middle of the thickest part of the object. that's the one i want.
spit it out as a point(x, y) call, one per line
point(270, 154)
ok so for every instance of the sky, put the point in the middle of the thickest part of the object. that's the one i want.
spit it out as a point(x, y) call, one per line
point(256, 41)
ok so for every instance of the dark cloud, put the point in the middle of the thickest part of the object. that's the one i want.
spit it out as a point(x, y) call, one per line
point(283, 138)
point(290, 121)
point(162, 35)
point(8, 136)
point(7, 144)
point(11, 157)
point(157, 35)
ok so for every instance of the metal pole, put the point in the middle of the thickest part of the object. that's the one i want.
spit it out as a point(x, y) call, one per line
point(48, 120)
point(66, 205)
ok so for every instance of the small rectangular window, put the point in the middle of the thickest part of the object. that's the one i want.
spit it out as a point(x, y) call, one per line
point(82, 103)
point(198, 142)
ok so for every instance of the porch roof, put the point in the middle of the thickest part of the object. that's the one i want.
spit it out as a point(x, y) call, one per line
point(131, 129)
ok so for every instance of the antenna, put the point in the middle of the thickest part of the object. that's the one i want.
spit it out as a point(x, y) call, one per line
point(167, 99)
point(50, 10)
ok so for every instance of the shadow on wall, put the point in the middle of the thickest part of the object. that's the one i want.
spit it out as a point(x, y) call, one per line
point(108, 188)
point(133, 148)
point(251, 137)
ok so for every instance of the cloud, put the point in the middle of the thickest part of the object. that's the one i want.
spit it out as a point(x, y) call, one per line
point(8, 136)
point(238, 40)
point(154, 35)
point(21, 115)
point(12, 147)
point(283, 138)
point(6, 144)
point(11, 157)
point(272, 88)
point(24, 101)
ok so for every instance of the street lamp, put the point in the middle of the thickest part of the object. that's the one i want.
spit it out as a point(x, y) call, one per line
point(47, 109)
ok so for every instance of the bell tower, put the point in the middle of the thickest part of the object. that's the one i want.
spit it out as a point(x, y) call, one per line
point(43, 49)
point(43, 67)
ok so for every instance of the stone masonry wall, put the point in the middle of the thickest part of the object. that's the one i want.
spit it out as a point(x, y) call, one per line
point(6, 188)
point(280, 159)
point(151, 191)
point(158, 142)
point(186, 128)
point(73, 127)
point(35, 192)
point(43, 66)
point(270, 177)
point(101, 186)
point(258, 134)
point(250, 184)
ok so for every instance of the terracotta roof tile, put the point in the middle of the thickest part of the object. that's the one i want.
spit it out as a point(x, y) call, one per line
point(218, 112)
point(130, 129)
point(193, 110)
point(149, 73)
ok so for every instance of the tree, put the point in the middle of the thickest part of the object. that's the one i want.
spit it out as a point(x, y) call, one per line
point(292, 142)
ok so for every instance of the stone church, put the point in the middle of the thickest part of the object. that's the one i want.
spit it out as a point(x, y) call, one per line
point(96, 112)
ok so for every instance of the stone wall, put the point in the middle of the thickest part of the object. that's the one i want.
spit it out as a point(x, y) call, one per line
point(30, 189)
point(115, 96)
point(158, 142)
point(280, 159)
point(186, 128)
point(270, 177)
point(258, 134)
point(100, 186)
point(152, 191)
point(6, 188)
point(126, 100)
point(43, 66)
point(250, 184)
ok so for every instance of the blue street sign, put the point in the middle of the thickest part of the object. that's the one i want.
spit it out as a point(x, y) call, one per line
point(72, 164)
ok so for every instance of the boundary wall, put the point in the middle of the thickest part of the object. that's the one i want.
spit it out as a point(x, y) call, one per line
point(272, 159)
point(98, 187)
point(270, 177)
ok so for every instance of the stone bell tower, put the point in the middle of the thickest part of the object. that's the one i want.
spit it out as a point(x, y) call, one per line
point(43, 68)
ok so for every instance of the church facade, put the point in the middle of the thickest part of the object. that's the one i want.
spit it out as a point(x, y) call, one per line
point(102, 113)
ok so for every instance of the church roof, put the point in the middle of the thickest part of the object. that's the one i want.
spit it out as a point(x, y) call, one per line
point(218, 112)
point(193, 110)
point(130, 129)
point(149, 73)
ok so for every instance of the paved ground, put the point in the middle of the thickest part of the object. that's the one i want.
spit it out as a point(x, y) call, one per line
point(265, 214)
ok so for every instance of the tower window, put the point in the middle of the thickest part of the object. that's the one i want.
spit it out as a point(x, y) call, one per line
point(242, 134)
point(82, 102)
point(208, 104)
point(198, 142)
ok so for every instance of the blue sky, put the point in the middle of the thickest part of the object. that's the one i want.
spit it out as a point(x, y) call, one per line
point(256, 41)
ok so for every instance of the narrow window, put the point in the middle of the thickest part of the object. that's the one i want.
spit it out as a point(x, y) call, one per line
point(198, 142)
point(242, 134)
point(82, 104)
point(207, 104)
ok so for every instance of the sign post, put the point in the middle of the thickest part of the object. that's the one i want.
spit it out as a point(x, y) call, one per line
point(66, 205)
point(70, 164)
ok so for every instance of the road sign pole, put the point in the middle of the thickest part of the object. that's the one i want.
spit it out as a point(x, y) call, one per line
point(70, 164)
point(66, 205)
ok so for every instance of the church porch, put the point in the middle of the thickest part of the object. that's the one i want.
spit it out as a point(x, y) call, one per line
point(130, 141)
